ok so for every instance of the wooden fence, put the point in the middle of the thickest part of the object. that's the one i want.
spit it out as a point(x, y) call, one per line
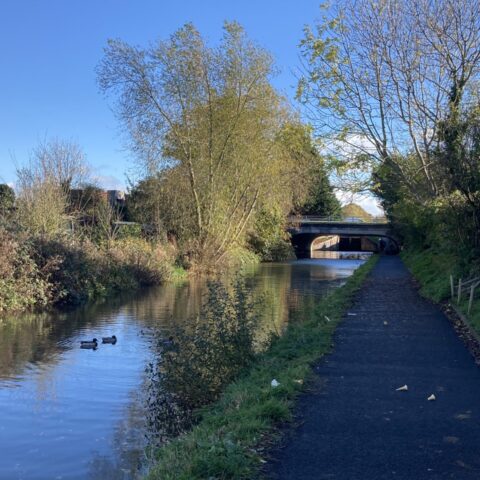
point(464, 286)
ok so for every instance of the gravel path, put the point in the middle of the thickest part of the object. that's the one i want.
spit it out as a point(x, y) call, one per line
point(354, 425)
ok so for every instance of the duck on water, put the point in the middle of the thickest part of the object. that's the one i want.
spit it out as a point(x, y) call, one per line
point(112, 339)
point(92, 344)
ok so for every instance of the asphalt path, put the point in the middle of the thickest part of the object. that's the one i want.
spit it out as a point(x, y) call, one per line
point(354, 425)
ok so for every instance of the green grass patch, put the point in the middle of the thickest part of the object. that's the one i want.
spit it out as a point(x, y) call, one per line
point(227, 442)
point(432, 268)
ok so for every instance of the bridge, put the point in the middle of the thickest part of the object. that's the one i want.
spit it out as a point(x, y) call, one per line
point(304, 230)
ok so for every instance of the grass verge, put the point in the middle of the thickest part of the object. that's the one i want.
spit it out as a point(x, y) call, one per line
point(432, 269)
point(227, 442)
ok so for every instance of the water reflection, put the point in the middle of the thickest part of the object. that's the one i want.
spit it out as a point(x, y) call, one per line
point(75, 414)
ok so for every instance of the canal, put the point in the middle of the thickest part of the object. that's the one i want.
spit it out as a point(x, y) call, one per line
point(70, 413)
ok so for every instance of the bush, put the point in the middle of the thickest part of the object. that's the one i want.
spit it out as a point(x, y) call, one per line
point(40, 271)
point(22, 284)
point(268, 238)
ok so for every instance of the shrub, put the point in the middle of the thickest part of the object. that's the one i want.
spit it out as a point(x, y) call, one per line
point(21, 282)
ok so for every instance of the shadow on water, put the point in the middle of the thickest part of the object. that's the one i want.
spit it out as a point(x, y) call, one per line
point(92, 411)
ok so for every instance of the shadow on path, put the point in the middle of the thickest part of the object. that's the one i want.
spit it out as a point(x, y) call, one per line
point(355, 426)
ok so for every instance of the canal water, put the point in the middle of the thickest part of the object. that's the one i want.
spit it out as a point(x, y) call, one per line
point(70, 413)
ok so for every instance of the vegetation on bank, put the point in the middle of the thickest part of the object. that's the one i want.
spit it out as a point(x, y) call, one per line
point(222, 161)
point(62, 247)
point(432, 268)
point(38, 273)
point(229, 440)
point(399, 94)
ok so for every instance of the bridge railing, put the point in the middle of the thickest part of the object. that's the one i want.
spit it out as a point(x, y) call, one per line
point(297, 219)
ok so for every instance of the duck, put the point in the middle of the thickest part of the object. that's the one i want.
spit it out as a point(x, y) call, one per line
point(112, 339)
point(89, 343)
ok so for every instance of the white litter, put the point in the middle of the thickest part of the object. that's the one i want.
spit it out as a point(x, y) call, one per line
point(274, 383)
point(327, 319)
point(402, 389)
point(385, 322)
point(431, 397)
point(351, 314)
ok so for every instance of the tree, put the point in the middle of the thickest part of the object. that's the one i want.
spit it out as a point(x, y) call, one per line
point(380, 76)
point(44, 184)
point(7, 200)
point(204, 122)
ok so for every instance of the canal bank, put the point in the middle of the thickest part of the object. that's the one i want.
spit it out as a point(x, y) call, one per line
point(232, 437)
point(86, 408)
point(357, 424)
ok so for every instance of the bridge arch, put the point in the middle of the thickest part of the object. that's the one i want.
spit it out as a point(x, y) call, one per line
point(305, 230)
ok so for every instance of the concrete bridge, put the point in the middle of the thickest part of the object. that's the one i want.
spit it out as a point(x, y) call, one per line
point(304, 230)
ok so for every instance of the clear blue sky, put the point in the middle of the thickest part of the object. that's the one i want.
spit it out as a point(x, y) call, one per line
point(49, 50)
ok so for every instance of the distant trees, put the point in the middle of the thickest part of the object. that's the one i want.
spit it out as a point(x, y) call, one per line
point(44, 183)
point(206, 126)
point(354, 210)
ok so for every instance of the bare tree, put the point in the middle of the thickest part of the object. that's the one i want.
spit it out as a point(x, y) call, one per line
point(379, 76)
point(44, 183)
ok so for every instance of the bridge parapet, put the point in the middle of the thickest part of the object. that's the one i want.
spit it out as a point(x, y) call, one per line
point(304, 230)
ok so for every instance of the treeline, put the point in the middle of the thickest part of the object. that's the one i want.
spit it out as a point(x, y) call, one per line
point(396, 85)
point(58, 247)
point(221, 159)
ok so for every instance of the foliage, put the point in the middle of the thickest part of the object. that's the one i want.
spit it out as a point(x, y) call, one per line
point(39, 271)
point(268, 237)
point(321, 200)
point(22, 284)
point(7, 200)
point(380, 77)
point(55, 167)
point(213, 137)
point(227, 442)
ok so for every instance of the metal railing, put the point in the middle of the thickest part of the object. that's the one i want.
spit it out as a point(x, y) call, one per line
point(334, 219)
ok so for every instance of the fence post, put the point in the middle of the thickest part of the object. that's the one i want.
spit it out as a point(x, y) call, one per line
point(472, 289)
point(452, 289)
point(459, 294)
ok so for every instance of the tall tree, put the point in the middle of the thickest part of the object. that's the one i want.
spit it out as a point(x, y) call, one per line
point(380, 76)
point(204, 121)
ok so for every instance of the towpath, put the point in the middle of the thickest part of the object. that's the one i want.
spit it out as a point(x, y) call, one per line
point(354, 425)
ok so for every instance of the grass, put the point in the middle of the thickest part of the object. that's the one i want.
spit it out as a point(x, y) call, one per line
point(230, 438)
point(432, 269)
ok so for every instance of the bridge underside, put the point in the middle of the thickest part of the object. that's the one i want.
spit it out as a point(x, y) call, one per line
point(304, 243)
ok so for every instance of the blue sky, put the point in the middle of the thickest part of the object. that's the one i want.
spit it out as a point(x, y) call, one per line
point(49, 50)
